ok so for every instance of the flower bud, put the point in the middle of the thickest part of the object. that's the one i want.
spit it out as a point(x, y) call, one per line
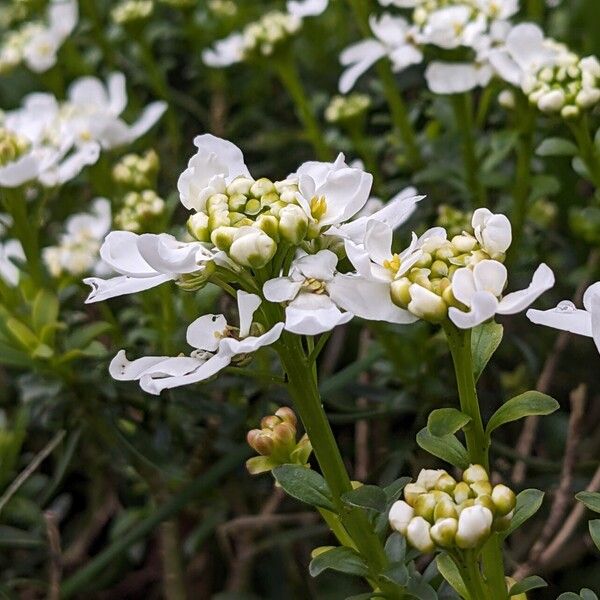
point(504, 499)
point(261, 187)
point(270, 422)
point(474, 526)
point(412, 491)
point(223, 237)
point(284, 434)
point(428, 478)
point(293, 224)
point(445, 509)
point(474, 474)
point(399, 291)
point(287, 415)
point(240, 185)
point(418, 535)
point(400, 516)
point(446, 483)
point(424, 506)
point(552, 101)
point(464, 243)
point(197, 226)
point(260, 441)
point(570, 112)
point(427, 305)
point(481, 487)
point(254, 248)
point(462, 491)
point(485, 500)
point(270, 225)
point(444, 531)
point(506, 99)
point(503, 523)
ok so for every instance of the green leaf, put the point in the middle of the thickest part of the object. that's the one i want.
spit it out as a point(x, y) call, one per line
point(342, 559)
point(396, 573)
point(395, 488)
point(449, 571)
point(580, 168)
point(445, 421)
point(525, 585)
point(569, 596)
point(528, 503)
point(587, 594)
point(366, 496)
point(557, 147)
point(590, 499)
point(395, 547)
point(22, 334)
point(542, 186)
point(524, 405)
point(305, 485)
point(45, 310)
point(485, 340)
point(447, 448)
point(594, 527)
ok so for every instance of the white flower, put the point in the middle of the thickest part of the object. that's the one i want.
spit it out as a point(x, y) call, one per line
point(331, 193)
point(309, 310)
point(78, 249)
point(143, 262)
point(492, 231)
point(480, 290)
point(474, 526)
point(453, 26)
point(307, 8)
point(400, 516)
point(216, 345)
point(225, 52)
point(216, 164)
point(567, 317)
point(9, 251)
point(456, 78)
point(394, 38)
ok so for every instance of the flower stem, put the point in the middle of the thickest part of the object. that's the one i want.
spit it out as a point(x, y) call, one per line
point(588, 150)
point(468, 566)
point(522, 187)
point(459, 341)
point(462, 105)
point(290, 78)
point(396, 104)
point(302, 386)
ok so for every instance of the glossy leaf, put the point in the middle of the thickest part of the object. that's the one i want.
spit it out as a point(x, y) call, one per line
point(366, 496)
point(590, 499)
point(524, 405)
point(447, 448)
point(485, 340)
point(528, 503)
point(342, 559)
point(446, 421)
point(304, 485)
point(525, 585)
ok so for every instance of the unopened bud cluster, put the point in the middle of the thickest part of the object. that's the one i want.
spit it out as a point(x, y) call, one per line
point(131, 10)
point(347, 108)
point(276, 442)
point(137, 172)
point(250, 218)
point(453, 220)
point(570, 86)
point(140, 210)
point(263, 37)
point(438, 511)
point(12, 146)
point(222, 8)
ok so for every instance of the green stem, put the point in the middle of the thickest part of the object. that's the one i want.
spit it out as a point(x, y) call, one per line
point(588, 150)
point(459, 341)
point(462, 105)
point(173, 573)
point(468, 566)
point(303, 389)
point(522, 188)
point(394, 99)
point(493, 568)
point(290, 78)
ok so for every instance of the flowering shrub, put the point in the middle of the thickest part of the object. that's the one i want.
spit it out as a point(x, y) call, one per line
point(256, 267)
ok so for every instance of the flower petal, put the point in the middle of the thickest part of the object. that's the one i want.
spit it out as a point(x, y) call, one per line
point(483, 307)
point(312, 314)
point(232, 347)
point(543, 280)
point(247, 306)
point(206, 332)
point(103, 289)
point(565, 317)
point(490, 276)
point(358, 59)
point(281, 289)
point(463, 286)
point(165, 254)
point(320, 266)
point(120, 251)
point(456, 78)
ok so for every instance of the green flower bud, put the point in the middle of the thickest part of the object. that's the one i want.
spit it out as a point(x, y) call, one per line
point(237, 202)
point(462, 491)
point(261, 187)
point(446, 483)
point(424, 506)
point(439, 268)
point(504, 499)
point(240, 185)
point(197, 226)
point(223, 237)
point(253, 249)
point(412, 491)
point(252, 207)
point(464, 243)
point(482, 488)
point(474, 526)
point(475, 473)
point(400, 516)
point(293, 224)
point(444, 531)
point(486, 500)
point(270, 225)
point(445, 509)
point(399, 291)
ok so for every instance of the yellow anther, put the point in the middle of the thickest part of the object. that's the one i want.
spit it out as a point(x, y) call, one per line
point(393, 264)
point(318, 207)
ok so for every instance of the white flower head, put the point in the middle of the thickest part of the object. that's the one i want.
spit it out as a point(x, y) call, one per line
point(492, 231)
point(309, 308)
point(216, 345)
point(307, 8)
point(11, 251)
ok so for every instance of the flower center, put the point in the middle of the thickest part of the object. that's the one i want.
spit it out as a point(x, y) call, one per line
point(318, 207)
point(314, 286)
point(12, 146)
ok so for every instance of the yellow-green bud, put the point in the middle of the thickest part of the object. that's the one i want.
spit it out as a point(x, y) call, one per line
point(252, 207)
point(399, 291)
point(237, 202)
point(462, 491)
point(419, 536)
point(482, 487)
point(253, 249)
point(261, 187)
point(475, 473)
point(444, 531)
point(446, 483)
point(223, 237)
point(486, 500)
point(197, 226)
point(504, 499)
point(240, 185)
point(439, 268)
point(412, 491)
point(474, 526)
point(270, 225)
point(464, 243)
point(445, 509)
point(424, 506)
point(293, 224)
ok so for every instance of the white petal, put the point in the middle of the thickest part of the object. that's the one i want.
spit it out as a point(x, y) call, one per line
point(232, 347)
point(463, 286)
point(117, 93)
point(306, 8)
point(247, 306)
point(367, 299)
point(543, 280)
point(312, 314)
point(490, 276)
point(20, 171)
point(378, 241)
point(456, 78)
point(596, 320)
point(166, 254)
point(483, 307)
point(281, 289)
point(122, 369)
point(320, 266)
point(120, 251)
point(565, 317)
point(593, 290)
point(103, 289)
point(206, 332)
point(358, 59)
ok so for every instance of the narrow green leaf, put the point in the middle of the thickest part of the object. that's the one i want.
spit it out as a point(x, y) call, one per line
point(395, 547)
point(396, 573)
point(305, 485)
point(447, 448)
point(524, 405)
point(594, 527)
point(366, 496)
point(446, 421)
point(485, 340)
point(395, 488)
point(342, 559)
point(590, 499)
point(528, 503)
point(22, 334)
point(449, 571)
point(45, 310)
point(525, 585)
point(556, 147)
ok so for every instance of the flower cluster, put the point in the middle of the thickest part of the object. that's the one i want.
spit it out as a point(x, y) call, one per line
point(139, 211)
point(438, 511)
point(554, 79)
point(131, 10)
point(37, 43)
point(342, 109)
point(276, 443)
point(51, 141)
point(77, 252)
point(137, 172)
